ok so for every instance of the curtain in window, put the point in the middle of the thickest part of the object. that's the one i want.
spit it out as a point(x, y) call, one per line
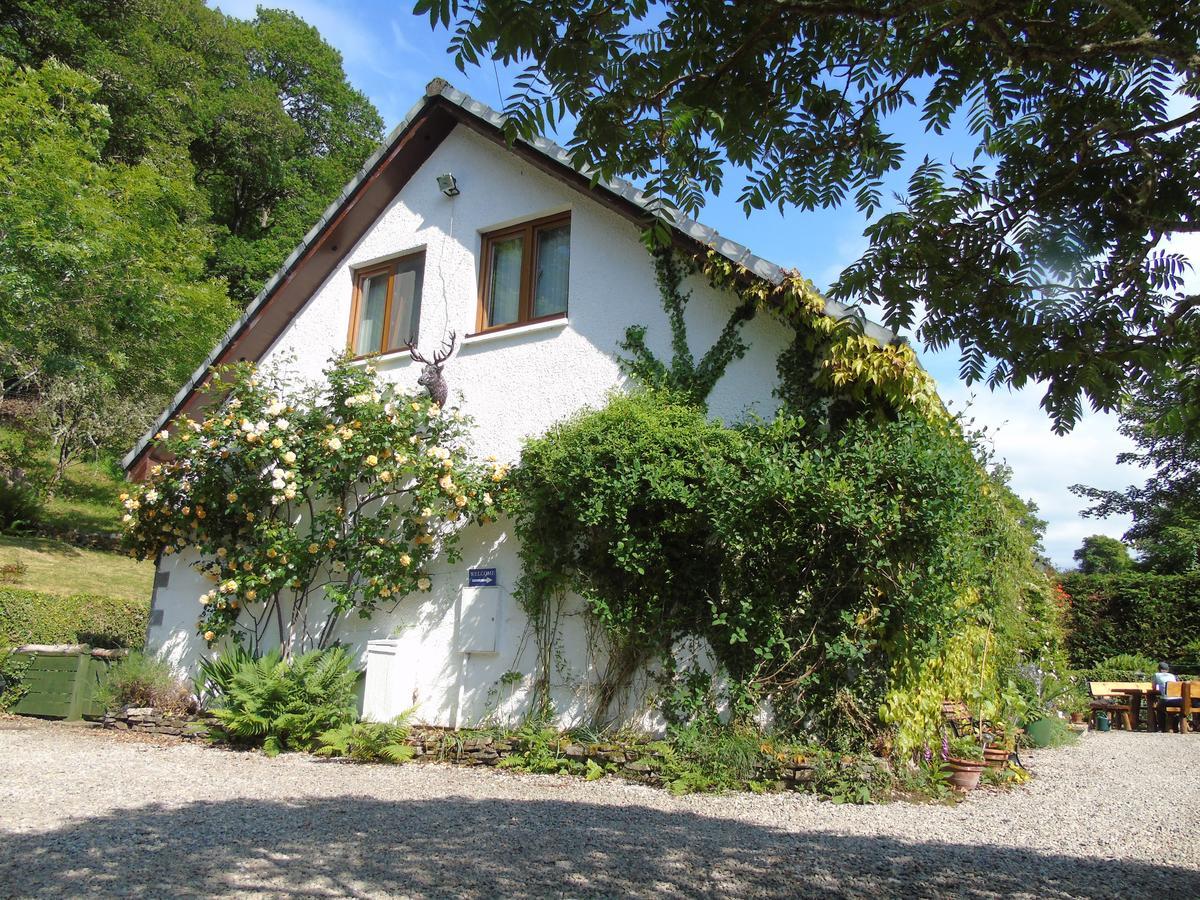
point(372, 305)
point(505, 294)
point(406, 308)
point(553, 267)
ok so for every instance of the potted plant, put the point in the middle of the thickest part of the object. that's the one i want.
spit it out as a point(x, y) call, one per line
point(964, 757)
point(1078, 705)
point(997, 747)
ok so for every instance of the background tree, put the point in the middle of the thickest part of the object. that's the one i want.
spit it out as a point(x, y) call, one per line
point(1163, 421)
point(159, 160)
point(103, 293)
point(262, 109)
point(1045, 256)
point(1103, 555)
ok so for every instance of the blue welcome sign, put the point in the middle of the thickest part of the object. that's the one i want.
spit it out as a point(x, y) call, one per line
point(481, 577)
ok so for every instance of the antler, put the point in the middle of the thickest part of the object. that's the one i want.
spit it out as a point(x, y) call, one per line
point(416, 357)
point(440, 357)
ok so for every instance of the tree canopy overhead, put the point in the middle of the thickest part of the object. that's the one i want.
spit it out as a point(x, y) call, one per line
point(1045, 257)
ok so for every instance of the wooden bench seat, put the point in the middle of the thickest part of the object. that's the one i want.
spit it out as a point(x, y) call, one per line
point(1105, 698)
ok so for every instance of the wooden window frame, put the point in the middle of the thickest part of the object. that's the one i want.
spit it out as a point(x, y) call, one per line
point(528, 231)
point(388, 268)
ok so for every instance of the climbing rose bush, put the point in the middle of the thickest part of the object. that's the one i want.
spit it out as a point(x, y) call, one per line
point(309, 503)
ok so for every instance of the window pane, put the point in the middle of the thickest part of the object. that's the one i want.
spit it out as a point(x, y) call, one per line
point(371, 303)
point(553, 266)
point(504, 292)
point(406, 305)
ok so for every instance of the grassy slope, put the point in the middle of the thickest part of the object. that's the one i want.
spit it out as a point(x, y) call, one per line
point(86, 500)
point(59, 568)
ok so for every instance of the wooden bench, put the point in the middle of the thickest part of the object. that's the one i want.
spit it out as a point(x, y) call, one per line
point(1106, 698)
point(1188, 694)
point(961, 722)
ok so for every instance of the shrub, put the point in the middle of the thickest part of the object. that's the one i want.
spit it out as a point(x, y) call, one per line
point(1124, 667)
point(855, 579)
point(344, 492)
point(20, 504)
point(216, 674)
point(368, 741)
point(1153, 616)
point(280, 704)
point(31, 617)
point(139, 680)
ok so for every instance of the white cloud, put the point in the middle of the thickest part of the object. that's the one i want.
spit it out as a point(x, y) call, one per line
point(1045, 465)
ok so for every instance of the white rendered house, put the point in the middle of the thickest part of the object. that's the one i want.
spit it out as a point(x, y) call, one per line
point(539, 273)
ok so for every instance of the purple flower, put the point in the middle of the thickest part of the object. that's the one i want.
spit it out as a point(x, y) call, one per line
point(945, 748)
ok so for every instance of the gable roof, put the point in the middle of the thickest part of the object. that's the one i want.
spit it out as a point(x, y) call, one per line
point(378, 182)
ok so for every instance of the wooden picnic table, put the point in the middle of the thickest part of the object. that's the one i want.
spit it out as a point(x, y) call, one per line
point(1136, 696)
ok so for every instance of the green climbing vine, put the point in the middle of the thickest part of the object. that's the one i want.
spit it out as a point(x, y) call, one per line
point(684, 377)
point(831, 359)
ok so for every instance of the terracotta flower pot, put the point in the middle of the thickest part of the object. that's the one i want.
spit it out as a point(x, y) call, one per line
point(964, 773)
point(996, 757)
point(1077, 718)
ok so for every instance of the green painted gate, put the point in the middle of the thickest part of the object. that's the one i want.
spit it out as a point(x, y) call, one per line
point(62, 682)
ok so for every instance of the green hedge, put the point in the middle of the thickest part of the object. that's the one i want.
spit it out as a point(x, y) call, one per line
point(1151, 615)
point(31, 617)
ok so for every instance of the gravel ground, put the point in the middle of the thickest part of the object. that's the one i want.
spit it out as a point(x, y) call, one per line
point(83, 811)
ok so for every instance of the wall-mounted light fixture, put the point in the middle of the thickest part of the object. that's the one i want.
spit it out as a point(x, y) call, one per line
point(448, 185)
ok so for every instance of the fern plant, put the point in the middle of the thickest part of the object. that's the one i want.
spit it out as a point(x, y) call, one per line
point(286, 705)
point(216, 674)
point(368, 741)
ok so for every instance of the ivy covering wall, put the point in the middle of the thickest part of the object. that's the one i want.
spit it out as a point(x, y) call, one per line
point(851, 563)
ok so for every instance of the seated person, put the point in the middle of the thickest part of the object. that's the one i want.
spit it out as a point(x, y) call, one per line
point(1161, 679)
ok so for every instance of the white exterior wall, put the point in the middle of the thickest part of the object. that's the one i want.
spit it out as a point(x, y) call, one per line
point(513, 384)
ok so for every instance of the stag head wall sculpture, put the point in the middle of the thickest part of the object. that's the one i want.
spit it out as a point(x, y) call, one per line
point(431, 376)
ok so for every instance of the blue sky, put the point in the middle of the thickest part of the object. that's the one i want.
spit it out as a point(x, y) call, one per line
point(390, 55)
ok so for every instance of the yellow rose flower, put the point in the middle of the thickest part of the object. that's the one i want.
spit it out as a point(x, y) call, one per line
point(405, 560)
point(372, 460)
point(276, 443)
point(385, 477)
point(313, 548)
point(210, 636)
point(232, 496)
point(250, 595)
point(424, 583)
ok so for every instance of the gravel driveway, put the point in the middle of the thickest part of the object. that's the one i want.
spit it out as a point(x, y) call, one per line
point(88, 812)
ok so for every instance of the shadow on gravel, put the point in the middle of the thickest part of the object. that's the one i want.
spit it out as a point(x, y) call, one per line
point(462, 847)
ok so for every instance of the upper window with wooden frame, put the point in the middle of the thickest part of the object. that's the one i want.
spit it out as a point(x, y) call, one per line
point(526, 270)
point(386, 309)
